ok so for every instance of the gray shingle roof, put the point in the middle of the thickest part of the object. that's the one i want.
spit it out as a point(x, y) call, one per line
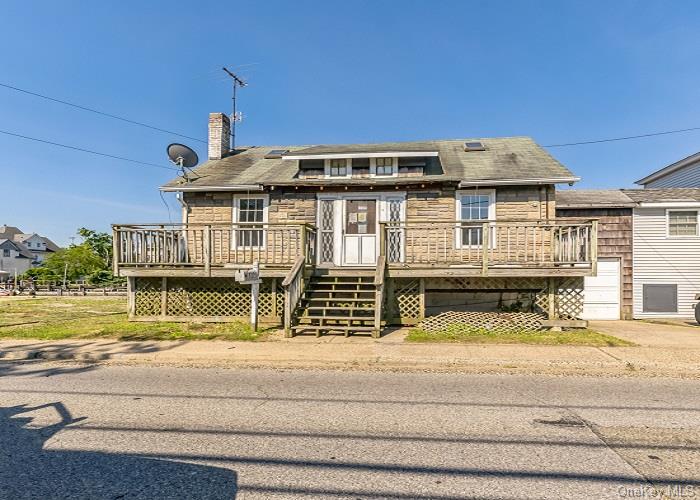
point(614, 198)
point(511, 158)
point(593, 198)
point(665, 194)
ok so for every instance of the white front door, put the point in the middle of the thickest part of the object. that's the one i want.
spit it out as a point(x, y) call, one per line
point(601, 293)
point(360, 232)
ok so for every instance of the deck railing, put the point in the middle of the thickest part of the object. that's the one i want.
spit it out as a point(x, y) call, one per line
point(489, 244)
point(212, 245)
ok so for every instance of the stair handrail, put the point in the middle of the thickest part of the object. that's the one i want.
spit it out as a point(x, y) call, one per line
point(379, 294)
point(293, 285)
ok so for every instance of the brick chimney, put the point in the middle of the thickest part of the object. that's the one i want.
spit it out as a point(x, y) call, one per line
point(219, 135)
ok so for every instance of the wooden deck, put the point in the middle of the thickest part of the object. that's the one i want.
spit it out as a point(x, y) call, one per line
point(558, 247)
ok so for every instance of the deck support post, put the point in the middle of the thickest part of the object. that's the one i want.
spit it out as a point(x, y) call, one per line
point(421, 291)
point(164, 296)
point(131, 297)
point(274, 297)
point(551, 299)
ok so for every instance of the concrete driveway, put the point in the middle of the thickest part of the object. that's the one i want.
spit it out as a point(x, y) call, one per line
point(651, 334)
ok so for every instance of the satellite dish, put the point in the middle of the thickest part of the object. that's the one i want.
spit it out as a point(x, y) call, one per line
point(182, 155)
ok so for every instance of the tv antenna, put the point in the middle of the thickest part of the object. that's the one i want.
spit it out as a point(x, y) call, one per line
point(235, 116)
point(185, 158)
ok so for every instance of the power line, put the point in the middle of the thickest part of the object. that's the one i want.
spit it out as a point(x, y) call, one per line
point(85, 150)
point(109, 115)
point(641, 136)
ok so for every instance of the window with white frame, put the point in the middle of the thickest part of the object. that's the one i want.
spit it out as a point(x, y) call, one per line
point(384, 166)
point(5, 252)
point(682, 222)
point(473, 208)
point(339, 167)
point(250, 212)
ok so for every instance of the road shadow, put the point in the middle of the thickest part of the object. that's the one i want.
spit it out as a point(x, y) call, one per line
point(28, 470)
point(84, 350)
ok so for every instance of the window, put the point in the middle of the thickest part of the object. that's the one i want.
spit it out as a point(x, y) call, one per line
point(682, 223)
point(339, 167)
point(311, 168)
point(473, 206)
point(385, 166)
point(360, 167)
point(5, 252)
point(660, 298)
point(250, 212)
point(412, 166)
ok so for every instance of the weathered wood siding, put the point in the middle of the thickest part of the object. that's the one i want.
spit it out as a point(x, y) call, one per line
point(614, 241)
point(686, 177)
point(512, 203)
point(527, 203)
point(659, 259)
point(422, 205)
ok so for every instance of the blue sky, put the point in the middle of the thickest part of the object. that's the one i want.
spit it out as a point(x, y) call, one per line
point(328, 72)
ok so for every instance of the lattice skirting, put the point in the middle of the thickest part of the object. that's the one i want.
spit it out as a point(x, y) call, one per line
point(205, 298)
point(406, 304)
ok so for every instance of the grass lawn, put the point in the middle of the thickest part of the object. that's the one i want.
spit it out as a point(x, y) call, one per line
point(54, 318)
point(462, 334)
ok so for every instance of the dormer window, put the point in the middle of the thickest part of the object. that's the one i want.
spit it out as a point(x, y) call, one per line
point(385, 166)
point(339, 167)
point(360, 167)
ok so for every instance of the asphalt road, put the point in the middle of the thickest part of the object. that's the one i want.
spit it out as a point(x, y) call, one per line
point(70, 431)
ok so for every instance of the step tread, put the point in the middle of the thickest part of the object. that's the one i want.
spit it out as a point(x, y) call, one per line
point(338, 299)
point(321, 308)
point(344, 318)
point(333, 327)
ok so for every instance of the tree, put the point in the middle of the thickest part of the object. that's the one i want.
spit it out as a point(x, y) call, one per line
point(100, 243)
point(91, 260)
point(77, 261)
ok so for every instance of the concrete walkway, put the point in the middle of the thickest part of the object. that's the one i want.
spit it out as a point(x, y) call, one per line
point(643, 333)
point(365, 353)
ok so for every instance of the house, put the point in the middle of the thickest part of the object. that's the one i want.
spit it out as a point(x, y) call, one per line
point(684, 173)
point(354, 236)
point(30, 248)
point(40, 246)
point(15, 259)
point(648, 247)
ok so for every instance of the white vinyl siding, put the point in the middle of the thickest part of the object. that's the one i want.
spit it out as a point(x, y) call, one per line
point(686, 177)
point(660, 259)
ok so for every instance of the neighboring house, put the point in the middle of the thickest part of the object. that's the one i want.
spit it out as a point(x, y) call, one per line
point(684, 173)
point(33, 247)
point(666, 249)
point(659, 229)
point(15, 258)
point(350, 237)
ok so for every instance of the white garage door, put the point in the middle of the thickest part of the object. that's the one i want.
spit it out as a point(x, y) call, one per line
point(601, 294)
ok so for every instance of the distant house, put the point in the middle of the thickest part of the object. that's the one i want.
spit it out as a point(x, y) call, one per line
point(21, 251)
point(649, 248)
point(684, 173)
point(14, 258)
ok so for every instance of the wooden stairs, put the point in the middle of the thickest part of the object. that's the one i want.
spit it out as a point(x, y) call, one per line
point(337, 304)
